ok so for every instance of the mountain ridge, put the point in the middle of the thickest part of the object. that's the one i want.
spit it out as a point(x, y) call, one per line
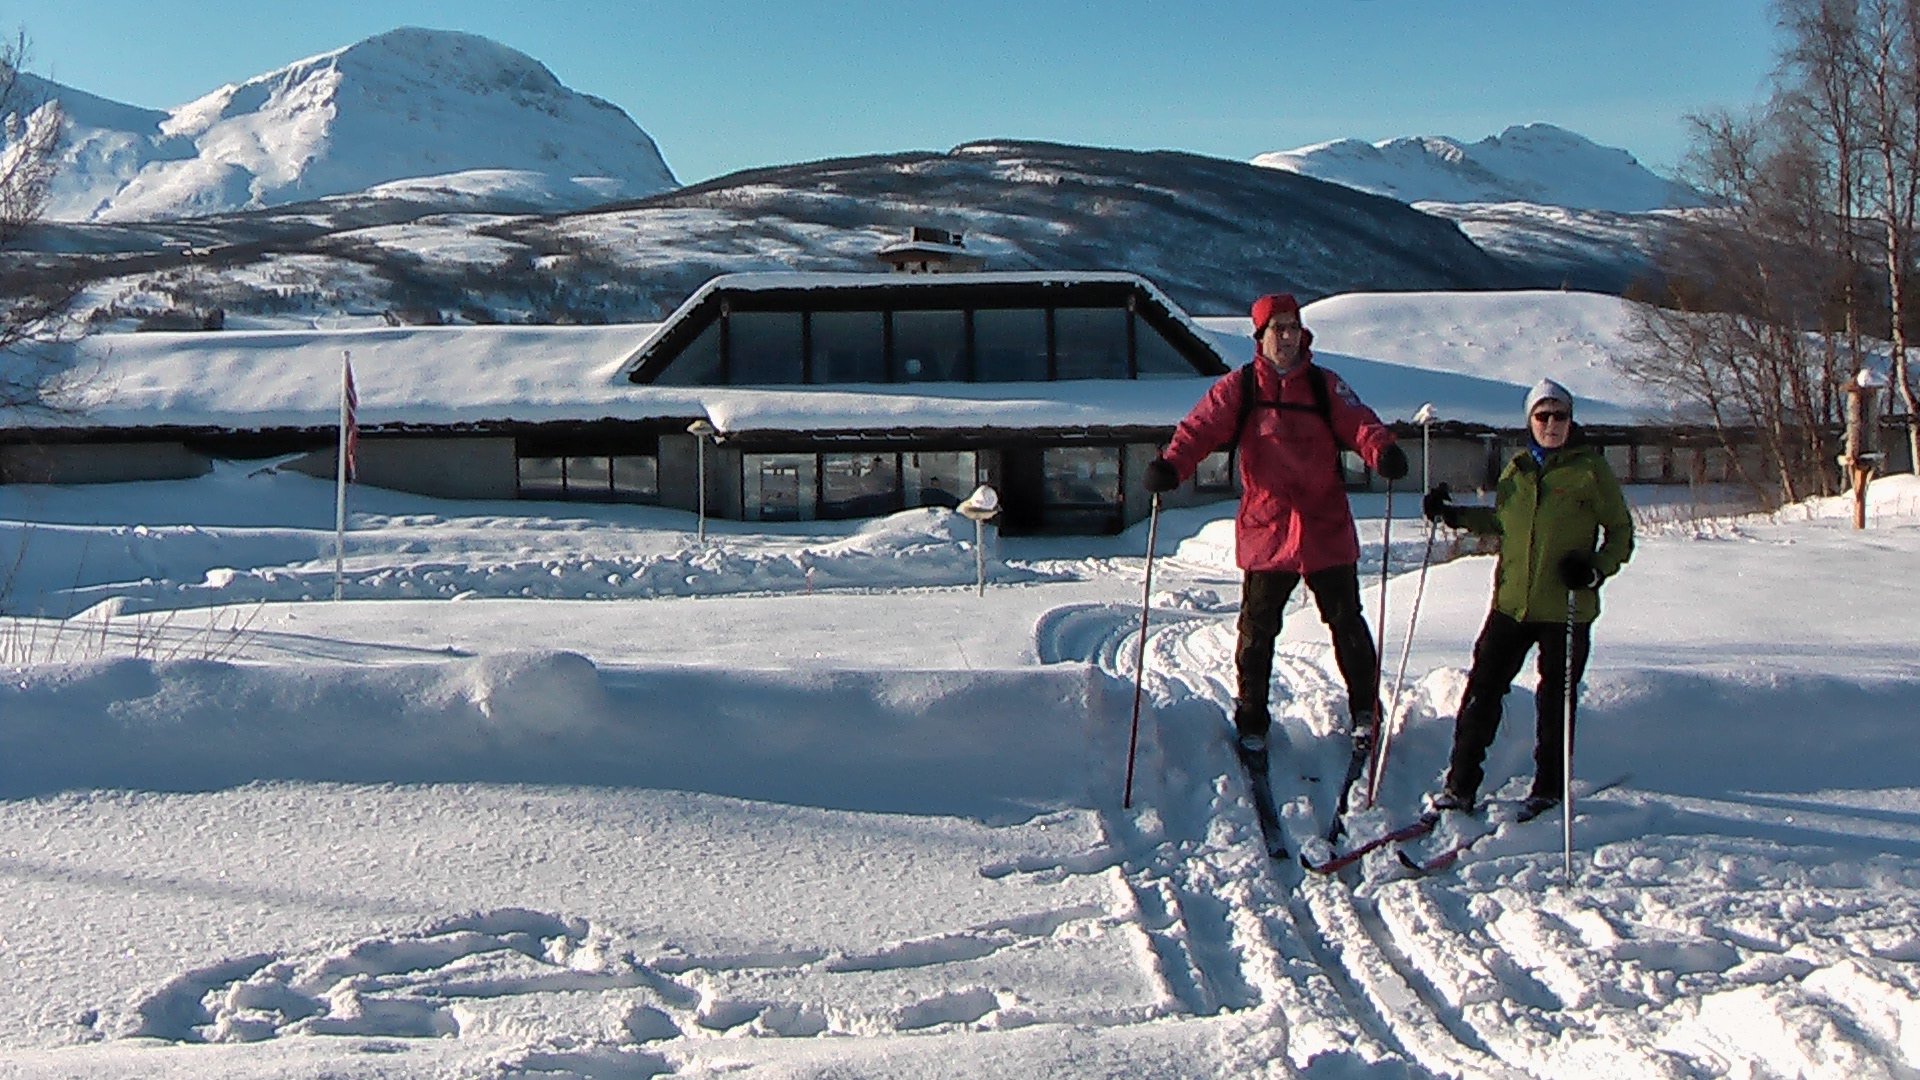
point(1536, 163)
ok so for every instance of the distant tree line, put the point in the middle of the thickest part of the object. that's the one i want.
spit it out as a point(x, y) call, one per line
point(1769, 302)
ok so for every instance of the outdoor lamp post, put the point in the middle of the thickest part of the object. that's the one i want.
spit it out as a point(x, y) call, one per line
point(983, 504)
point(702, 430)
point(1425, 419)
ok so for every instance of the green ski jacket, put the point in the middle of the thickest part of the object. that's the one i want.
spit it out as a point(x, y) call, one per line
point(1541, 512)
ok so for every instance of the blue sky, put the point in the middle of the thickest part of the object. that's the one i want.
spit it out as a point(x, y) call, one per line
point(730, 84)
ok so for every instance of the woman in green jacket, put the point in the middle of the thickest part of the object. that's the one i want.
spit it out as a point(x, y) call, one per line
point(1553, 505)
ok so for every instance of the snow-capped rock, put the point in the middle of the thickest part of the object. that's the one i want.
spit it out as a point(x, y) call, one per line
point(1535, 163)
point(404, 104)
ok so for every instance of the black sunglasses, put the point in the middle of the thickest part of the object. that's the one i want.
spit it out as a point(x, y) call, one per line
point(1552, 416)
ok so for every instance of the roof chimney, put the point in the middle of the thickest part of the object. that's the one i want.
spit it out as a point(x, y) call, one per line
point(928, 250)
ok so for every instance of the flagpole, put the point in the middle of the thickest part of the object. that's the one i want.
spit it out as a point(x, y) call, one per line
point(340, 476)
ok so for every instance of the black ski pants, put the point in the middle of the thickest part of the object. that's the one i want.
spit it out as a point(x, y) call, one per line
point(1263, 600)
point(1497, 657)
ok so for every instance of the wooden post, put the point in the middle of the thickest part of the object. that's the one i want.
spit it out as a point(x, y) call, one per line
point(1863, 438)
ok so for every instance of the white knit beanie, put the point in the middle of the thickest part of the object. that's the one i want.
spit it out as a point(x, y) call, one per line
point(1547, 389)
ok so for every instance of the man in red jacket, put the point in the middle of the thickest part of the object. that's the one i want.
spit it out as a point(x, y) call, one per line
point(1294, 521)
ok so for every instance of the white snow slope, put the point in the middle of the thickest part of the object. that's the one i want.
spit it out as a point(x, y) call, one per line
point(403, 105)
point(801, 804)
point(1532, 163)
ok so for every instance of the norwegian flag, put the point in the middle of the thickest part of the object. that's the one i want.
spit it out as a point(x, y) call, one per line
point(349, 420)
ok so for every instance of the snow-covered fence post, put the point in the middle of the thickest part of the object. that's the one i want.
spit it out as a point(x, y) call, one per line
point(1863, 437)
point(702, 430)
point(980, 506)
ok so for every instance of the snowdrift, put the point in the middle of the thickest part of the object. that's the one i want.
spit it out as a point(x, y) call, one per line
point(993, 745)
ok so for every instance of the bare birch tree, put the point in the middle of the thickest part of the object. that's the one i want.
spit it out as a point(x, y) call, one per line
point(34, 298)
point(1770, 299)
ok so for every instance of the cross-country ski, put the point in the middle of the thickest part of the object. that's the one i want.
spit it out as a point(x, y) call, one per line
point(1527, 811)
point(1419, 827)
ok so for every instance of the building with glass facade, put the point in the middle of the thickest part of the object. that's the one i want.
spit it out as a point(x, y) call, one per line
point(1026, 335)
point(816, 396)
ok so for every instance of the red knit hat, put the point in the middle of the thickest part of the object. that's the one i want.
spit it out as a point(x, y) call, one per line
point(1265, 308)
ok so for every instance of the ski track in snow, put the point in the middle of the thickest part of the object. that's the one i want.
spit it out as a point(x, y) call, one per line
point(1499, 983)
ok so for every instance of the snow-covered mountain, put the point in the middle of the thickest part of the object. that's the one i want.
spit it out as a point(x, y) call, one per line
point(1535, 163)
point(474, 115)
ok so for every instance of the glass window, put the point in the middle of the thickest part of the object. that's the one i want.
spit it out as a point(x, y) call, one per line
point(542, 478)
point(698, 364)
point(1082, 475)
point(589, 478)
point(1620, 460)
point(1156, 356)
point(849, 347)
point(929, 346)
point(636, 478)
point(1215, 472)
point(764, 348)
point(779, 487)
point(1649, 463)
point(938, 479)
point(1010, 345)
point(1353, 467)
point(859, 485)
point(1715, 465)
point(1090, 343)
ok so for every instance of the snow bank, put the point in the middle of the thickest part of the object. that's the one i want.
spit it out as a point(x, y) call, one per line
point(920, 742)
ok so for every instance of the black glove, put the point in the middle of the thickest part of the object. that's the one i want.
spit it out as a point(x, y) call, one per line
point(1438, 506)
point(1160, 476)
point(1393, 463)
point(1578, 572)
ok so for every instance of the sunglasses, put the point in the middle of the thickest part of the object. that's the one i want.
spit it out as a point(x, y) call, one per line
point(1552, 416)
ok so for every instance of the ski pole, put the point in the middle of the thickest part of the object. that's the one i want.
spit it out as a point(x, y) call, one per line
point(1380, 644)
point(1566, 753)
point(1140, 653)
point(1387, 723)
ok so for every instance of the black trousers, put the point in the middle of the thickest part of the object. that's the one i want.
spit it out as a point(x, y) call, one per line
point(1497, 658)
point(1263, 600)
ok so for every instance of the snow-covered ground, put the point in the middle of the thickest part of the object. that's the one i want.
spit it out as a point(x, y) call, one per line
point(568, 795)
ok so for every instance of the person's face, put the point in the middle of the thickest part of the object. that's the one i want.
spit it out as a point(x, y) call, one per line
point(1552, 422)
point(1280, 340)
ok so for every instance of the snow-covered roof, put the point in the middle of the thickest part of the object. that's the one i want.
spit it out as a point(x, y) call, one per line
point(496, 374)
point(1471, 354)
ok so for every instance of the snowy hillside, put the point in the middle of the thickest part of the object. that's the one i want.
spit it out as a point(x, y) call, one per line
point(404, 104)
point(1200, 228)
point(1594, 250)
point(1516, 338)
point(1535, 163)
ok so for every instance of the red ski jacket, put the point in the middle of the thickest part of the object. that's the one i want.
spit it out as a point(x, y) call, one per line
point(1293, 505)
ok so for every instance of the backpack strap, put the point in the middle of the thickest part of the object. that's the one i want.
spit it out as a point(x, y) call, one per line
point(1322, 405)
